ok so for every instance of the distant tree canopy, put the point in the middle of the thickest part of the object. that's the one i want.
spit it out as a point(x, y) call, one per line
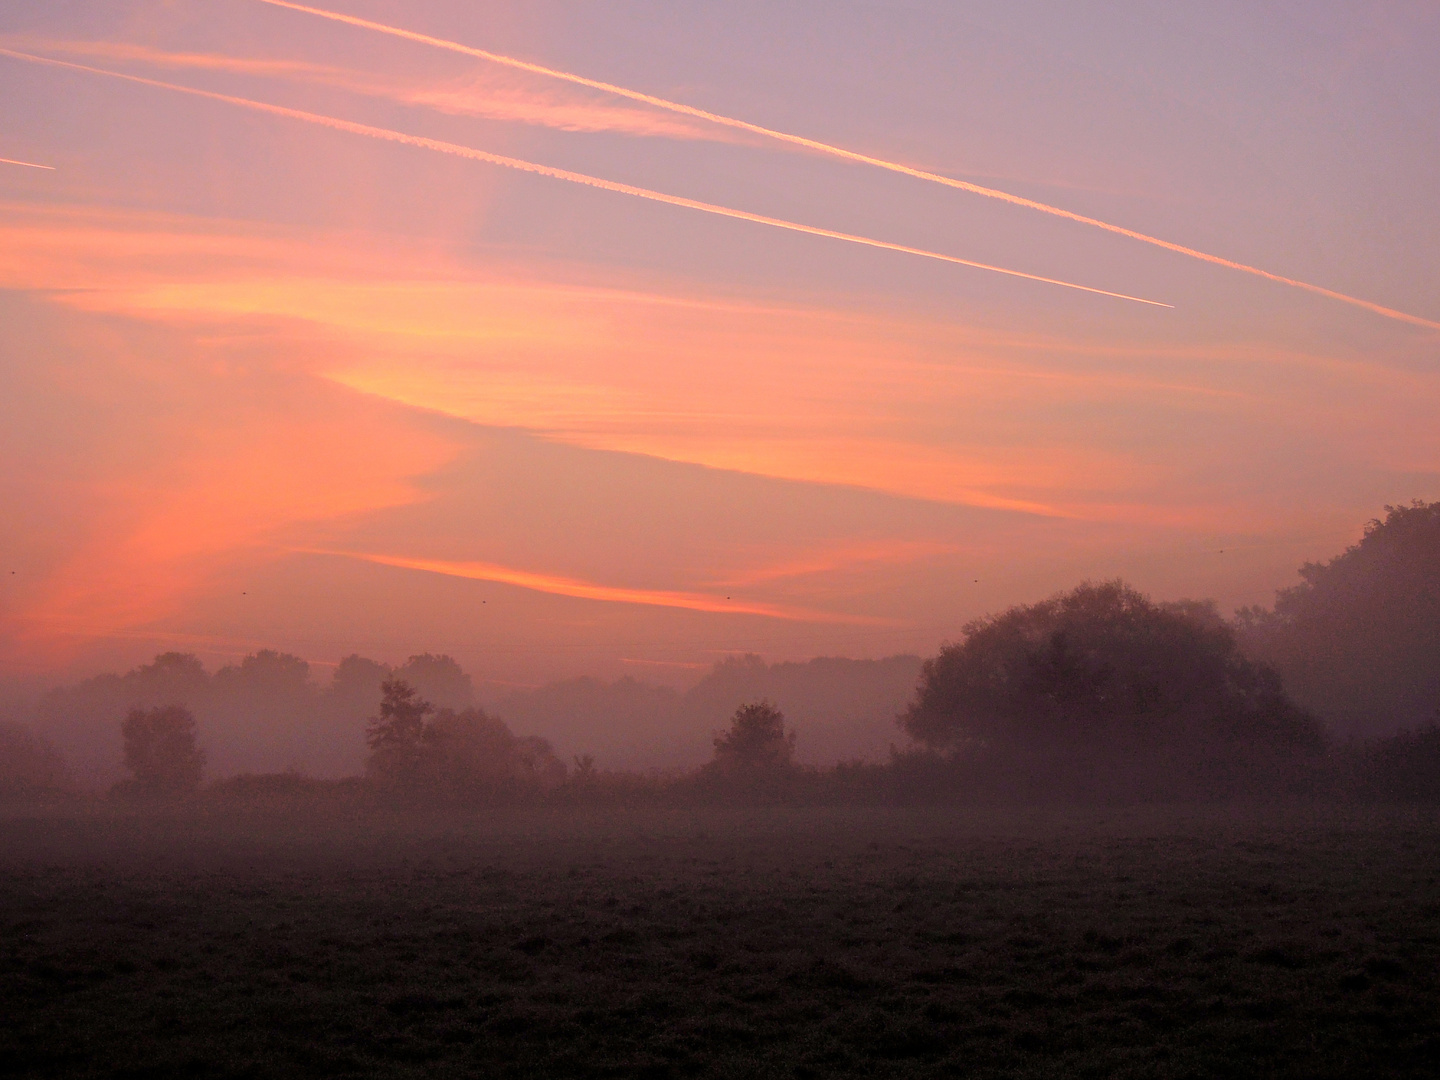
point(437, 678)
point(440, 678)
point(1103, 666)
point(357, 680)
point(267, 671)
point(461, 755)
point(1358, 640)
point(263, 710)
point(756, 742)
point(160, 750)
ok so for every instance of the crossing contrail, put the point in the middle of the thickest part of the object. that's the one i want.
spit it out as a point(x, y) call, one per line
point(564, 174)
point(851, 155)
point(27, 164)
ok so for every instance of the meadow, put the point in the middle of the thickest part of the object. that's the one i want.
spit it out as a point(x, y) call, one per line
point(788, 942)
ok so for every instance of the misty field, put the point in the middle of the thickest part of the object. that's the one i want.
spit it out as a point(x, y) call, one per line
point(782, 942)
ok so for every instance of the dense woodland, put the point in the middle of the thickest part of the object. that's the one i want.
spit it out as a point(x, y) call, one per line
point(1098, 693)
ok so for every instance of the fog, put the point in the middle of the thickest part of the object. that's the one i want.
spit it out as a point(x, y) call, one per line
point(1098, 690)
point(270, 712)
point(1095, 835)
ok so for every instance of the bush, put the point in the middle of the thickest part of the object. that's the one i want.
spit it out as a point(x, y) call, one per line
point(756, 742)
point(1358, 640)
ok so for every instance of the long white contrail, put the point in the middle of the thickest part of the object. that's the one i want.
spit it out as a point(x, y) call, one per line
point(27, 164)
point(563, 174)
point(851, 155)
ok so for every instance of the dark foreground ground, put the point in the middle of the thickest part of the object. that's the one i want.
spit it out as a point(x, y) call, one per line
point(790, 943)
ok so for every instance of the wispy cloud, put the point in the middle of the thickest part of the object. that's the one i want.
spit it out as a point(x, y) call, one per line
point(467, 95)
point(441, 146)
point(829, 149)
point(610, 594)
point(947, 413)
point(847, 556)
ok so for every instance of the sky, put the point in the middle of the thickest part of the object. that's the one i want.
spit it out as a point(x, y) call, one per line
point(615, 338)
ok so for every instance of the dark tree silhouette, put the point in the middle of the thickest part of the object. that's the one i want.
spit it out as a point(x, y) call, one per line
point(1358, 640)
point(358, 679)
point(1103, 666)
point(266, 671)
point(169, 673)
point(474, 756)
point(397, 736)
point(756, 742)
point(465, 755)
point(160, 750)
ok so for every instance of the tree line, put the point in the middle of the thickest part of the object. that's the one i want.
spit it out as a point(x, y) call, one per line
point(1095, 693)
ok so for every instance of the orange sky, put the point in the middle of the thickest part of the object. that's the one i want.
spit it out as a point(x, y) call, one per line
point(266, 383)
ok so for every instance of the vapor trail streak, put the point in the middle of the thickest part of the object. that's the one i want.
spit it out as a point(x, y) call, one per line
point(565, 174)
point(587, 590)
point(27, 164)
point(851, 155)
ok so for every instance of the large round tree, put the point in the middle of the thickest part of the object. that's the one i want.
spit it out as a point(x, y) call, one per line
point(1103, 668)
point(1358, 640)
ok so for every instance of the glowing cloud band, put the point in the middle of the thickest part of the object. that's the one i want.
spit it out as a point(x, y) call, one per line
point(565, 174)
point(851, 155)
point(587, 590)
point(27, 164)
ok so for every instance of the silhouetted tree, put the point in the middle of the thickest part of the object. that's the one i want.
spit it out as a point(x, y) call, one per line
point(358, 679)
point(846, 707)
point(170, 674)
point(756, 742)
point(80, 719)
point(474, 756)
point(465, 755)
point(1103, 666)
point(267, 672)
point(160, 750)
point(397, 736)
point(1358, 640)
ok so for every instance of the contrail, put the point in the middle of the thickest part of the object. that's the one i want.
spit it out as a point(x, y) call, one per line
point(565, 174)
point(851, 155)
point(27, 164)
point(573, 115)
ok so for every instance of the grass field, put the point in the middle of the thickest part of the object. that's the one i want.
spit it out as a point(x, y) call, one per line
point(795, 943)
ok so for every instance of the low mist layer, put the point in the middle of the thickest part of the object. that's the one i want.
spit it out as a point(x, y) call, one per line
point(1096, 693)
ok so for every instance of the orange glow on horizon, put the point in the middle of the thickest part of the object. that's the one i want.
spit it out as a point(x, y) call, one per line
point(246, 345)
